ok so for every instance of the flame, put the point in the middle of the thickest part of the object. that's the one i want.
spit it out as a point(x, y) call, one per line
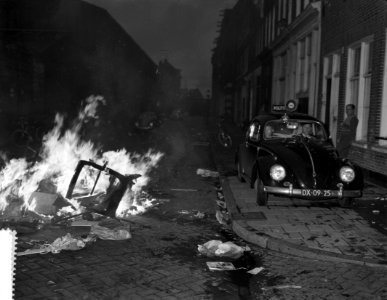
point(61, 151)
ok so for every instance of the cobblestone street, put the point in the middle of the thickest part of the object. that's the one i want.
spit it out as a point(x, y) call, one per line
point(161, 260)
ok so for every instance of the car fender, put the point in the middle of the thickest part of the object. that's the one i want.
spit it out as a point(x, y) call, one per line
point(265, 159)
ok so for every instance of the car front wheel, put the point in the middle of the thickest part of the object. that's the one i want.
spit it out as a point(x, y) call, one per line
point(262, 196)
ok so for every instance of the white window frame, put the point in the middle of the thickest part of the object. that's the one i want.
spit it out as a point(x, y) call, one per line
point(383, 119)
point(273, 23)
point(298, 8)
point(363, 101)
point(331, 71)
point(284, 11)
point(290, 11)
point(269, 29)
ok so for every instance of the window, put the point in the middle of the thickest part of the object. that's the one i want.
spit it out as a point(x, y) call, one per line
point(290, 7)
point(279, 10)
point(298, 7)
point(301, 65)
point(284, 10)
point(282, 77)
point(268, 29)
point(308, 50)
point(383, 121)
point(273, 25)
point(278, 129)
point(359, 83)
point(330, 94)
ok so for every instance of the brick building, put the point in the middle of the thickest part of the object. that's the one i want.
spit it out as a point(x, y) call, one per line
point(353, 59)
point(324, 54)
point(55, 53)
point(168, 95)
point(223, 66)
point(272, 57)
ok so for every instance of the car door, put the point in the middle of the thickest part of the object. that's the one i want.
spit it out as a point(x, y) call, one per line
point(249, 148)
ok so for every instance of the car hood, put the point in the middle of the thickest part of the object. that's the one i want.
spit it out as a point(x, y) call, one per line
point(302, 158)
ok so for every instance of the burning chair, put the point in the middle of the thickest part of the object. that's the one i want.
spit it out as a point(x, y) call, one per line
point(103, 199)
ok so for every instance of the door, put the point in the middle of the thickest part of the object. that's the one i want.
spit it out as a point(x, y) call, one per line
point(332, 82)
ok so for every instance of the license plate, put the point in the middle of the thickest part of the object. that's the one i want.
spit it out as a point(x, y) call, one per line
point(318, 193)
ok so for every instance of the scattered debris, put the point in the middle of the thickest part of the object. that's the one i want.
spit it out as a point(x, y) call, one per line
point(193, 214)
point(255, 271)
point(222, 217)
point(207, 173)
point(120, 233)
point(220, 249)
point(220, 195)
point(221, 204)
point(110, 229)
point(199, 215)
point(220, 266)
point(67, 242)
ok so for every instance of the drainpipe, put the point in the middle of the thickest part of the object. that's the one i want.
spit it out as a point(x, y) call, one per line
point(317, 5)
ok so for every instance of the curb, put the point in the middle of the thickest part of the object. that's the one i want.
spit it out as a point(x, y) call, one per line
point(243, 230)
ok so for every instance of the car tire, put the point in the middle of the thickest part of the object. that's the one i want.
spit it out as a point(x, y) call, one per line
point(240, 175)
point(261, 195)
point(346, 202)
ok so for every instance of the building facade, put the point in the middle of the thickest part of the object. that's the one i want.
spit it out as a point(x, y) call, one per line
point(168, 92)
point(56, 53)
point(273, 57)
point(323, 54)
point(354, 70)
point(294, 39)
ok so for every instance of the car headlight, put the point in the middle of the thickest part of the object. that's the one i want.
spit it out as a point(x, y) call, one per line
point(347, 174)
point(277, 172)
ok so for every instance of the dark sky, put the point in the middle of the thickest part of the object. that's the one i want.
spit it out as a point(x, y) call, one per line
point(182, 31)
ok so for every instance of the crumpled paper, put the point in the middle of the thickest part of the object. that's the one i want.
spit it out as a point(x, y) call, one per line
point(111, 229)
point(220, 249)
point(110, 234)
point(66, 242)
point(207, 173)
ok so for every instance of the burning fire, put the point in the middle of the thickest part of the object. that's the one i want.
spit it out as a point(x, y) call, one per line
point(61, 151)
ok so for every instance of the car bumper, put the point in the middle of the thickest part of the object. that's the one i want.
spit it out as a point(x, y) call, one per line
point(289, 191)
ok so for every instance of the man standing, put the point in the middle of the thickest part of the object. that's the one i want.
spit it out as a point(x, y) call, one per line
point(347, 131)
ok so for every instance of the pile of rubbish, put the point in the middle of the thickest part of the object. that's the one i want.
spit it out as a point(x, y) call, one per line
point(218, 248)
point(103, 228)
point(230, 251)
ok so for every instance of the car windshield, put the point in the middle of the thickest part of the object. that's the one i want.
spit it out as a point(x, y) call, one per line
point(278, 129)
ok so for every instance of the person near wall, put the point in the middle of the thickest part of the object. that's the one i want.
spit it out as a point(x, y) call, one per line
point(347, 131)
